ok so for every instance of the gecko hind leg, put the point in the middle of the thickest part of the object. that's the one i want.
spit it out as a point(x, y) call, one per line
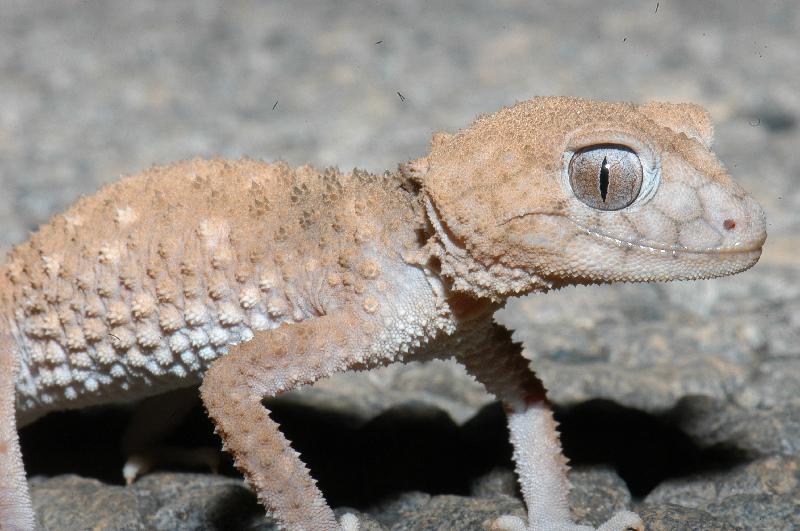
point(16, 512)
point(153, 420)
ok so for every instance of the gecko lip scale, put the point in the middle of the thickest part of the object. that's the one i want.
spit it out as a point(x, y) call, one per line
point(739, 248)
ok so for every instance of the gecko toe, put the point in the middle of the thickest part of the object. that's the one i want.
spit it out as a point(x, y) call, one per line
point(623, 521)
point(349, 522)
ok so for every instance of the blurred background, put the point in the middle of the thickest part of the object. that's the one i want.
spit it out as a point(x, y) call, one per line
point(91, 91)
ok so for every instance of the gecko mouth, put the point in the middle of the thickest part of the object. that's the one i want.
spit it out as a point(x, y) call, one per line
point(739, 248)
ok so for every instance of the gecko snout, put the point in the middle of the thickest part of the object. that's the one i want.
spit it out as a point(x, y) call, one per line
point(745, 229)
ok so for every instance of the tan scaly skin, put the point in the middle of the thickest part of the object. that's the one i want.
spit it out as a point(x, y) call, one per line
point(256, 278)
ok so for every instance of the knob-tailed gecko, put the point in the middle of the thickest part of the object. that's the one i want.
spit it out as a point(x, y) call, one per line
point(253, 278)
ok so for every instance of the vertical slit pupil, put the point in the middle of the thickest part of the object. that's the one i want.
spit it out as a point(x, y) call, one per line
point(604, 179)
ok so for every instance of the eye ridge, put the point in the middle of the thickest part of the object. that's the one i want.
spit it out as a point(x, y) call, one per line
point(604, 179)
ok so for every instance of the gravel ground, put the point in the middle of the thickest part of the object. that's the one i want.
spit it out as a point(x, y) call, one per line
point(679, 400)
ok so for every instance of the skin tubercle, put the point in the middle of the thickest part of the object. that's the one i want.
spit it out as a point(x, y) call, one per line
point(140, 287)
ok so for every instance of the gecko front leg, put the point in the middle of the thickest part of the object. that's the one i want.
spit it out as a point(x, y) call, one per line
point(270, 363)
point(540, 464)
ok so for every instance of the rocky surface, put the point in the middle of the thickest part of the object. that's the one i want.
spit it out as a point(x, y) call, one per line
point(681, 401)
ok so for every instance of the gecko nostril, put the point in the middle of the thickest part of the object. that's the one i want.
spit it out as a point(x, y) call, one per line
point(729, 224)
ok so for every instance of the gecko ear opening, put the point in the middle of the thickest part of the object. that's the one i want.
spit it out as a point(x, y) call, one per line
point(687, 118)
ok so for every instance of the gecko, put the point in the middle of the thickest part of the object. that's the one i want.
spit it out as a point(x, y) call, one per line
point(252, 278)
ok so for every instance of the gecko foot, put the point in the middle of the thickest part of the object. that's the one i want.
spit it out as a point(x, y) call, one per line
point(621, 521)
point(140, 463)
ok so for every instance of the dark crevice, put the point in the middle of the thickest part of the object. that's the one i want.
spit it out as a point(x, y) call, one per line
point(412, 447)
point(645, 449)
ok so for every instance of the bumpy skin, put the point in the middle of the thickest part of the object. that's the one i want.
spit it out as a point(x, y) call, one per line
point(256, 278)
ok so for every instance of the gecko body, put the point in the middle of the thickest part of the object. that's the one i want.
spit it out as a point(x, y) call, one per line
point(254, 278)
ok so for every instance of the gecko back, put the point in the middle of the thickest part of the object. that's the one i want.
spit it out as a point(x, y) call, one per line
point(138, 288)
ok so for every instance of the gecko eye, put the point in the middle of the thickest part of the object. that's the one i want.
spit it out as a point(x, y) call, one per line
point(606, 177)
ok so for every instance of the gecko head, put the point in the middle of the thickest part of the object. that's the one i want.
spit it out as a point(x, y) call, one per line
point(557, 191)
